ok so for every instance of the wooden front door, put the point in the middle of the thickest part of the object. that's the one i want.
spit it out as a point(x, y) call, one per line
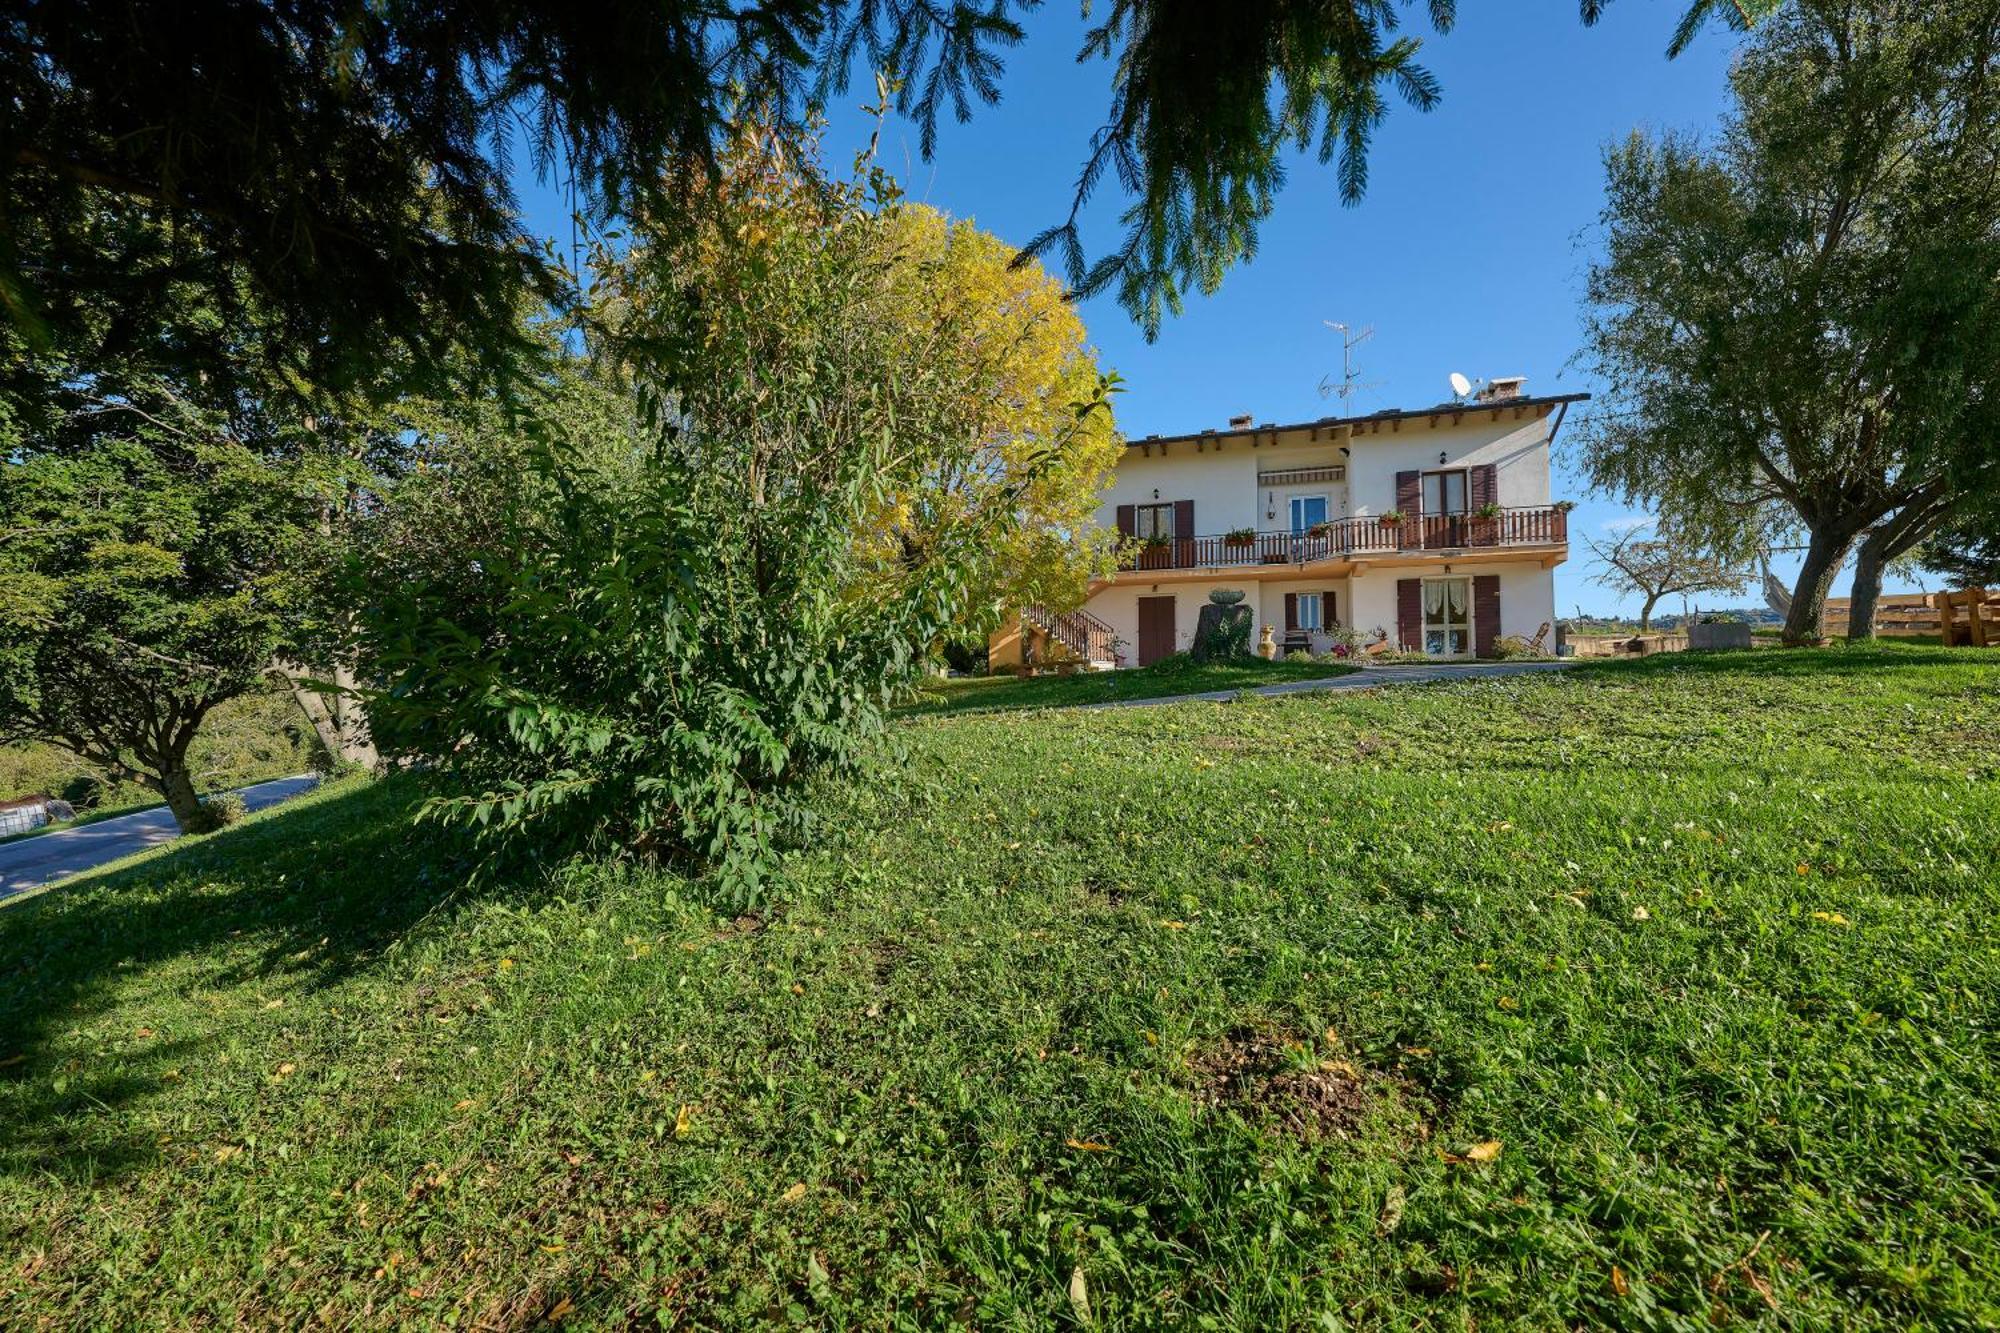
point(1156, 629)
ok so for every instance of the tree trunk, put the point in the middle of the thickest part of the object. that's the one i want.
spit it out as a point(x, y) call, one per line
point(1867, 586)
point(177, 785)
point(1804, 626)
point(337, 718)
point(1646, 614)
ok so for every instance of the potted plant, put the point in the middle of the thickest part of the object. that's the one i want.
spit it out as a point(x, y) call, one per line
point(1240, 537)
point(1391, 517)
point(1320, 530)
point(1563, 506)
point(1489, 510)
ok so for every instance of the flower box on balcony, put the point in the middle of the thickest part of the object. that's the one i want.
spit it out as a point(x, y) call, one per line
point(1239, 538)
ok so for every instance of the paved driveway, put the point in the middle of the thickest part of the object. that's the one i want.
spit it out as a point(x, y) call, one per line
point(33, 862)
point(1368, 678)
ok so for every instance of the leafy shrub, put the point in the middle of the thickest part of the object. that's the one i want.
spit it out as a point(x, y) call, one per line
point(1345, 644)
point(725, 556)
point(216, 812)
point(85, 791)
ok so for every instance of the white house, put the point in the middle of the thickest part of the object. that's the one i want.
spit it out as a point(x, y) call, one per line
point(1434, 525)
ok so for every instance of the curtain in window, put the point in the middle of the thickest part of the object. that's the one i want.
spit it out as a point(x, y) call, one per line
point(1434, 601)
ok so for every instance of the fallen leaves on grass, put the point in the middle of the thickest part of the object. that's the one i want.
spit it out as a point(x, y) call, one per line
point(1619, 1286)
point(1391, 1215)
point(1079, 1295)
point(1088, 1145)
point(683, 1119)
point(794, 1194)
point(1482, 1153)
point(1831, 918)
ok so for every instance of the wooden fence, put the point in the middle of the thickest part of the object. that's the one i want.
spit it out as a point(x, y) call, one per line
point(1974, 616)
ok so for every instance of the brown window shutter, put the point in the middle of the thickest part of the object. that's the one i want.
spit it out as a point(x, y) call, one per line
point(1483, 486)
point(1410, 614)
point(1128, 520)
point(1291, 611)
point(1329, 609)
point(1485, 613)
point(1183, 533)
point(1410, 493)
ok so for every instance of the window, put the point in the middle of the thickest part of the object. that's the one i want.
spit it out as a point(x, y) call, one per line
point(1149, 521)
point(1448, 617)
point(1309, 611)
point(1444, 492)
point(1307, 510)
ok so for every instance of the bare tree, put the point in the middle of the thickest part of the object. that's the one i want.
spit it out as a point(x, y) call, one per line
point(1662, 565)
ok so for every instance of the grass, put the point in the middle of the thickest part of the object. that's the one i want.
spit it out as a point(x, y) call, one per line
point(1177, 675)
point(1657, 994)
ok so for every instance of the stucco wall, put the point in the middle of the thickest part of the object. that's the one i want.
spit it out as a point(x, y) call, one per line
point(1220, 476)
point(1221, 482)
point(1527, 597)
point(1517, 449)
point(1118, 607)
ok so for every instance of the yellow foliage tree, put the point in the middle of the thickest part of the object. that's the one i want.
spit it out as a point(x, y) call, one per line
point(1038, 429)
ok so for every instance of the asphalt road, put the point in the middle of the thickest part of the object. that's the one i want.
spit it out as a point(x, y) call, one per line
point(33, 862)
point(1368, 678)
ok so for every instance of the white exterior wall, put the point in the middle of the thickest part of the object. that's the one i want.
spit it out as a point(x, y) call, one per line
point(1118, 607)
point(1220, 477)
point(1527, 597)
point(1222, 482)
point(1517, 449)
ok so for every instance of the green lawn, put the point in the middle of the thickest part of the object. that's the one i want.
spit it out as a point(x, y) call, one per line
point(1656, 994)
point(1177, 676)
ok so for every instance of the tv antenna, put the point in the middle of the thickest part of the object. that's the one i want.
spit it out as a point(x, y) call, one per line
point(1350, 378)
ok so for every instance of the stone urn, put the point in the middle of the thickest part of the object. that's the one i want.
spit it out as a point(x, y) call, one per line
point(1267, 646)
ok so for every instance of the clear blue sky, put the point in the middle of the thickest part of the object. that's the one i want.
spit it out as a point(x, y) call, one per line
point(1467, 254)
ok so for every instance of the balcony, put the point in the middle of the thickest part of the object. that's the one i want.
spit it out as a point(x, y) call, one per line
point(1358, 538)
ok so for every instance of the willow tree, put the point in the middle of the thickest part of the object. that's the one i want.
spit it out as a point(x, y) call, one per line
point(1798, 320)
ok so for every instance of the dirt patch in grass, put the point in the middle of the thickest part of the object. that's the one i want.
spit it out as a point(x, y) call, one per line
point(1280, 1078)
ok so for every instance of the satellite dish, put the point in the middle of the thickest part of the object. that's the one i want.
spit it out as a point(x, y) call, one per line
point(1460, 385)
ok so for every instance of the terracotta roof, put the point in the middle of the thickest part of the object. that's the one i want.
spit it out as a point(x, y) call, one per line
point(1387, 414)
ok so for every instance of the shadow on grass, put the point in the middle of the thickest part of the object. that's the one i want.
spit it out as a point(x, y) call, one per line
point(299, 898)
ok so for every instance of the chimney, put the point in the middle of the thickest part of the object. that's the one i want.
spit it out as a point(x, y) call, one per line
point(1501, 389)
point(1240, 422)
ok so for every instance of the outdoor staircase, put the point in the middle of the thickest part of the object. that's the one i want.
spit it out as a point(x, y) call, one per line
point(1072, 635)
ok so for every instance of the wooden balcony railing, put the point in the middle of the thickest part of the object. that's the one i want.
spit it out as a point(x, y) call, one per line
point(1540, 525)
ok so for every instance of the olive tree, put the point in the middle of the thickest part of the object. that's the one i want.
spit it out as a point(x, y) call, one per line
point(1798, 320)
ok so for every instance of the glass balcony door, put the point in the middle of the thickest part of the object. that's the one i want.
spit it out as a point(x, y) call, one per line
point(1448, 617)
